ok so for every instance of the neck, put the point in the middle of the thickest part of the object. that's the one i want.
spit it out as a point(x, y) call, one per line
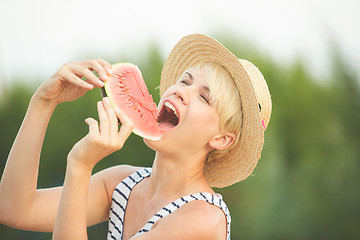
point(173, 178)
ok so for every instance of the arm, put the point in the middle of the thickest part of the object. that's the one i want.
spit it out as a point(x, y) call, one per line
point(19, 180)
point(99, 142)
point(21, 204)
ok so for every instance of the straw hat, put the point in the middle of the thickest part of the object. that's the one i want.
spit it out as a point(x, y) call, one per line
point(256, 104)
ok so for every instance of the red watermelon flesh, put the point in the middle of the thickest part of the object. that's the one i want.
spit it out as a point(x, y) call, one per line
point(127, 91)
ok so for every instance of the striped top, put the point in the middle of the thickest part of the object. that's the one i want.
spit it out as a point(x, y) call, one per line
point(121, 195)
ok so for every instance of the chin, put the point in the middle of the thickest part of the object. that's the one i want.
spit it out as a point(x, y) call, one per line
point(152, 143)
point(158, 145)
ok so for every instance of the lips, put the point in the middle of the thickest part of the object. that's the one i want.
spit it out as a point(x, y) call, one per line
point(168, 117)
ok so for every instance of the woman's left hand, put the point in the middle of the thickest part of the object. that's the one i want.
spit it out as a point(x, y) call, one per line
point(102, 139)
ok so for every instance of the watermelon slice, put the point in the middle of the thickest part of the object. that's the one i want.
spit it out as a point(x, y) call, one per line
point(127, 91)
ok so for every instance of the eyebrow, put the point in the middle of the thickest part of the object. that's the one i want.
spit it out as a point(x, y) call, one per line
point(191, 76)
point(206, 88)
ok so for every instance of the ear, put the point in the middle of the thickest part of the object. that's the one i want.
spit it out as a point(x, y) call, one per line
point(222, 141)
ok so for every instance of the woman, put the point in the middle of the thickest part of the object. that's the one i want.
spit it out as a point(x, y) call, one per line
point(213, 112)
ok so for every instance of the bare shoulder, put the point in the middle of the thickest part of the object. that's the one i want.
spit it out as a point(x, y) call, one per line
point(194, 220)
point(112, 176)
point(210, 219)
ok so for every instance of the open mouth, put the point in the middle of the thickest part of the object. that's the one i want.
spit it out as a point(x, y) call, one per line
point(168, 117)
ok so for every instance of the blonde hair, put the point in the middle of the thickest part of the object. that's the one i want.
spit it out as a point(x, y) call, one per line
point(223, 88)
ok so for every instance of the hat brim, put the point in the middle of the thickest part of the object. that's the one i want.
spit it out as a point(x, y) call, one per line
point(194, 49)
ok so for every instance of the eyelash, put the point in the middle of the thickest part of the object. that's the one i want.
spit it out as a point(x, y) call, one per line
point(186, 82)
point(202, 96)
point(205, 98)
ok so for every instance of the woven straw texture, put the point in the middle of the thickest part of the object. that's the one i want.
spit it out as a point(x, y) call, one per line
point(241, 161)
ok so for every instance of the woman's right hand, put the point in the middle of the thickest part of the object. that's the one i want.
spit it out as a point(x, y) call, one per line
point(67, 83)
point(104, 137)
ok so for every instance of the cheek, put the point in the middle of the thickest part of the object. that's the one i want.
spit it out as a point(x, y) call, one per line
point(206, 121)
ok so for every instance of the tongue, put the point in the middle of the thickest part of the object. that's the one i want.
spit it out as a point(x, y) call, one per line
point(164, 126)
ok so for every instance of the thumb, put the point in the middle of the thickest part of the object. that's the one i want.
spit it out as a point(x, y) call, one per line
point(93, 125)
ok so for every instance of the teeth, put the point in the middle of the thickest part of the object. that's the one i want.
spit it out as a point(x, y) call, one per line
point(170, 106)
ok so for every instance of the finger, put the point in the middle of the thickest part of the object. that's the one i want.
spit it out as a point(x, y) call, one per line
point(124, 132)
point(93, 126)
point(126, 125)
point(104, 120)
point(97, 67)
point(122, 117)
point(69, 76)
point(91, 78)
point(105, 65)
point(113, 121)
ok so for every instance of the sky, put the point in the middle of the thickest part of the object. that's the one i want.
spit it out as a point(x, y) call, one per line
point(38, 36)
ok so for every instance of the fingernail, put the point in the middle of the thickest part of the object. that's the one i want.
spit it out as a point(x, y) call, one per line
point(109, 71)
point(106, 99)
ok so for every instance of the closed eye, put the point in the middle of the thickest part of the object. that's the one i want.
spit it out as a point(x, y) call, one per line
point(187, 79)
point(205, 98)
point(185, 82)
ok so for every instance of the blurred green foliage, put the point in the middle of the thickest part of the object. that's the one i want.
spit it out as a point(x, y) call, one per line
point(306, 185)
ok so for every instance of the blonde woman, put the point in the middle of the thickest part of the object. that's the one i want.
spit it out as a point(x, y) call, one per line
point(214, 110)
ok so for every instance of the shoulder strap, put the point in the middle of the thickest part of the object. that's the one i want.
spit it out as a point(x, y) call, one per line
point(119, 201)
point(204, 196)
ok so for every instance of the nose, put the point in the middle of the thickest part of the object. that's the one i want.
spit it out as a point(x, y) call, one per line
point(183, 94)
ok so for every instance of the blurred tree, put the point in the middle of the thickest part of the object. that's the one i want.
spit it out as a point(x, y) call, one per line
point(306, 184)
